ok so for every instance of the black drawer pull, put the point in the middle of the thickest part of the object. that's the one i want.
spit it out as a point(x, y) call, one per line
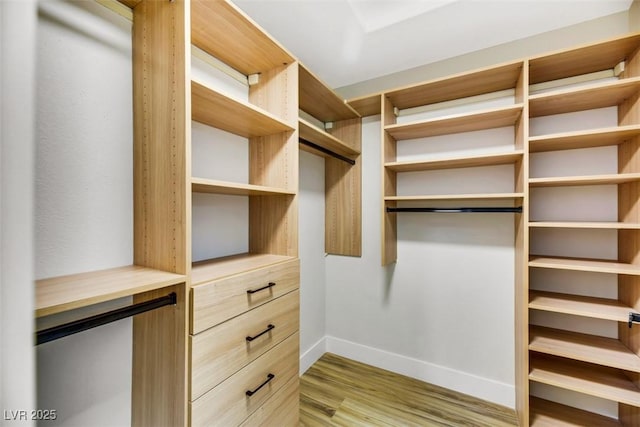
point(252, 392)
point(253, 291)
point(269, 327)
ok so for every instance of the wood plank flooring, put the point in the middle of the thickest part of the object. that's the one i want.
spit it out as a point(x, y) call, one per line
point(340, 392)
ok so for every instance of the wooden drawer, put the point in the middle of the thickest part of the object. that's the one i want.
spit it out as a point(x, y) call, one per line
point(229, 405)
point(222, 350)
point(213, 303)
point(282, 410)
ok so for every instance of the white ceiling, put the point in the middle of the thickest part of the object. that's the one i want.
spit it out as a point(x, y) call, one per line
point(349, 41)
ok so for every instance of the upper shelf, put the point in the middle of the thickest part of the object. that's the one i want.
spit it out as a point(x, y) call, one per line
point(583, 98)
point(324, 139)
point(202, 185)
point(457, 162)
point(582, 60)
point(237, 40)
point(567, 181)
point(321, 102)
point(457, 123)
point(223, 112)
point(583, 139)
point(63, 293)
point(486, 80)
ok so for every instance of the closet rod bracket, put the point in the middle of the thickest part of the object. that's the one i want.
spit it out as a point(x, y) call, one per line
point(633, 318)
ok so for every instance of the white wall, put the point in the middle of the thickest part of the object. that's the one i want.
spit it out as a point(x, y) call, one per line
point(17, 114)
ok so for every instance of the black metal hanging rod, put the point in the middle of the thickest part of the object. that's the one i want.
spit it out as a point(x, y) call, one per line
point(459, 210)
point(80, 325)
point(326, 151)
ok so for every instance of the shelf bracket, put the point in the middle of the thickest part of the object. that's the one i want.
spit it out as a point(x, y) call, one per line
point(633, 318)
point(253, 79)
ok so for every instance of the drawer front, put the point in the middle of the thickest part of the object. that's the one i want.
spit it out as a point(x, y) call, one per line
point(282, 410)
point(213, 303)
point(224, 349)
point(229, 405)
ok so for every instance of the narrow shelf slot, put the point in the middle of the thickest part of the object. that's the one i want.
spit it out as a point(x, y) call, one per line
point(208, 270)
point(580, 264)
point(584, 98)
point(238, 40)
point(240, 118)
point(458, 123)
point(436, 197)
point(457, 162)
point(59, 294)
point(583, 139)
point(321, 102)
point(586, 225)
point(597, 308)
point(593, 380)
point(317, 136)
point(585, 348)
point(567, 181)
point(202, 185)
point(545, 413)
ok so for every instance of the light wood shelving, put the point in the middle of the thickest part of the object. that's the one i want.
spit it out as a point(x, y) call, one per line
point(575, 264)
point(585, 225)
point(567, 181)
point(468, 197)
point(457, 162)
point(200, 185)
point(583, 139)
point(597, 308)
point(319, 137)
point(205, 271)
point(545, 413)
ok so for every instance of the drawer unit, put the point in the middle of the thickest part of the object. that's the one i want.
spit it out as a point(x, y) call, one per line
point(235, 399)
point(217, 301)
point(281, 410)
point(222, 350)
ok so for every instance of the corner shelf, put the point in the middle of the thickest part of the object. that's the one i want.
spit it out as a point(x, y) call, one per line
point(583, 139)
point(457, 162)
point(201, 185)
point(578, 264)
point(59, 294)
point(596, 308)
point(567, 181)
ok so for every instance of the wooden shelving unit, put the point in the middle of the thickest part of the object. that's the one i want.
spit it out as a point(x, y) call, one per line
point(595, 266)
point(457, 162)
point(597, 308)
point(545, 413)
point(200, 185)
point(584, 180)
point(343, 181)
point(583, 139)
point(467, 197)
point(585, 225)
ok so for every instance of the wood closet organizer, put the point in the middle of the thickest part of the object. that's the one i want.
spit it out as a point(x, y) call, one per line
point(227, 352)
point(590, 77)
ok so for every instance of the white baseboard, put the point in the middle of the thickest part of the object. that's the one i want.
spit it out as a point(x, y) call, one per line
point(482, 388)
point(310, 356)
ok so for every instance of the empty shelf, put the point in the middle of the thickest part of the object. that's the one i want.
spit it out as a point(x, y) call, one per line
point(321, 102)
point(580, 264)
point(598, 308)
point(567, 181)
point(585, 348)
point(457, 162)
point(470, 197)
point(369, 105)
point(593, 380)
point(458, 123)
point(324, 139)
point(545, 413)
point(201, 185)
point(204, 271)
point(223, 112)
point(588, 225)
point(583, 139)
point(63, 293)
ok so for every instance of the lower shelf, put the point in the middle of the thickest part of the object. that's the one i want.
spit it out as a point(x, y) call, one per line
point(550, 414)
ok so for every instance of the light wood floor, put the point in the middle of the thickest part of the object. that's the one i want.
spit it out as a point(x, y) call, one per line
point(340, 392)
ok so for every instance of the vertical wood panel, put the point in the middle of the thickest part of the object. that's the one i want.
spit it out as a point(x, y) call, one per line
point(389, 221)
point(343, 194)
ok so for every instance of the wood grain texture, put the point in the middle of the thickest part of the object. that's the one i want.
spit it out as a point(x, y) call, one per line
point(485, 80)
point(597, 308)
point(340, 392)
point(159, 368)
point(583, 139)
point(545, 413)
point(493, 159)
point(161, 111)
point(63, 293)
point(457, 123)
point(213, 303)
point(565, 181)
point(225, 32)
point(317, 99)
point(475, 197)
point(368, 105)
point(583, 59)
point(584, 98)
point(220, 351)
point(584, 225)
point(203, 185)
point(281, 410)
point(325, 140)
point(214, 269)
point(579, 264)
point(389, 225)
point(227, 404)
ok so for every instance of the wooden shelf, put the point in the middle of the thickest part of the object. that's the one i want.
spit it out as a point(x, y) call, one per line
point(223, 112)
point(369, 105)
point(458, 123)
point(593, 380)
point(586, 225)
point(443, 197)
point(585, 348)
point(59, 294)
point(487, 80)
point(583, 139)
point(545, 413)
point(457, 162)
point(205, 271)
point(324, 139)
point(582, 60)
point(583, 98)
point(321, 102)
point(597, 308)
point(201, 185)
point(237, 40)
point(567, 181)
point(578, 264)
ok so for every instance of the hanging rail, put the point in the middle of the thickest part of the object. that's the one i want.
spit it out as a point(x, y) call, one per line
point(326, 151)
point(80, 325)
point(459, 210)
